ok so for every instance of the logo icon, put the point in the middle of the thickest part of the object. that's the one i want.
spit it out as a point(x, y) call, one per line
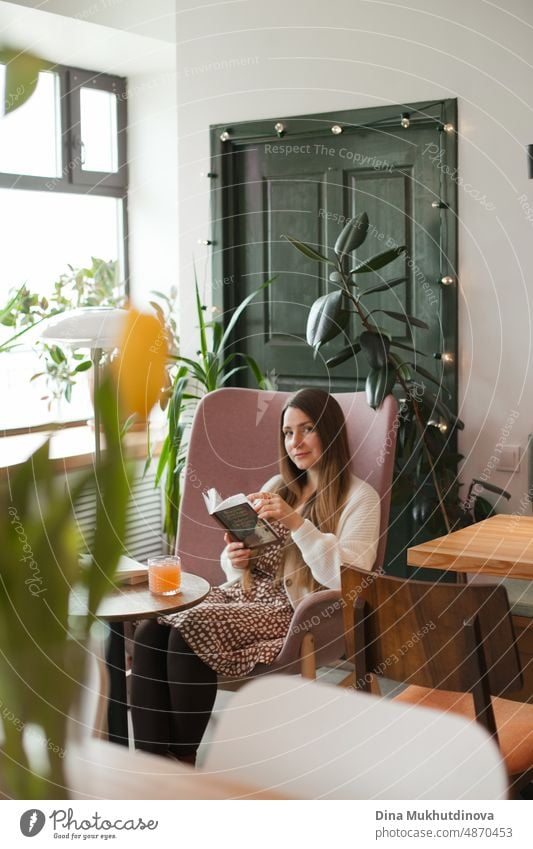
point(32, 822)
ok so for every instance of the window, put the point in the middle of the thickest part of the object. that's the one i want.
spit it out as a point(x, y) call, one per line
point(63, 185)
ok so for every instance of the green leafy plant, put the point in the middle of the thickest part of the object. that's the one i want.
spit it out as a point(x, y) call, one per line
point(192, 380)
point(94, 285)
point(42, 652)
point(21, 76)
point(426, 457)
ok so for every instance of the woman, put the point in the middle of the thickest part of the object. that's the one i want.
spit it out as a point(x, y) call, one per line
point(324, 516)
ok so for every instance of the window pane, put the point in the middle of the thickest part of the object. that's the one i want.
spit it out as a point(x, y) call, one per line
point(30, 136)
point(98, 130)
point(43, 233)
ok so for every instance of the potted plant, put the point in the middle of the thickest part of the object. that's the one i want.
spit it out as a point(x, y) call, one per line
point(42, 650)
point(426, 457)
point(189, 382)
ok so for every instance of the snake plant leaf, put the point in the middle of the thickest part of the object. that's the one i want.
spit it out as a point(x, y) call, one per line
point(237, 312)
point(307, 250)
point(352, 235)
point(375, 347)
point(327, 318)
point(21, 77)
point(407, 319)
point(379, 383)
point(378, 261)
point(384, 287)
point(343, 355)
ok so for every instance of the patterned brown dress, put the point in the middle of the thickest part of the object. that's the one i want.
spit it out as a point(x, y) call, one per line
point(232, 630)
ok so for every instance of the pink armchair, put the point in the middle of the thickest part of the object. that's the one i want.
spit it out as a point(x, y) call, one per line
point(233, 446)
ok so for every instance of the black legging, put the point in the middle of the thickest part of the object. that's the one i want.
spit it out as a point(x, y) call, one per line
point(172, 692)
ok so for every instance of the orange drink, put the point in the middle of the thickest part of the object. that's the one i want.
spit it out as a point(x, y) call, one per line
point(164, 574)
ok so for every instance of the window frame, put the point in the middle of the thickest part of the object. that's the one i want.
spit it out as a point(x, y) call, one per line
point(72, 179)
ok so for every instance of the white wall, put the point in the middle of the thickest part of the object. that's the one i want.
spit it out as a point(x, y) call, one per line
point(247, 59)
point(150, 65)
point(154, 19)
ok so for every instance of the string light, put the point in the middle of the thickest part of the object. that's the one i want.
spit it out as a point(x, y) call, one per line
point(225, 136)
point(448, 128)
point(405, 120)
point(279, 128)
point(440, 424)
point(447, 280)
point(444, 356)
point(439, 204)
point(336, 130)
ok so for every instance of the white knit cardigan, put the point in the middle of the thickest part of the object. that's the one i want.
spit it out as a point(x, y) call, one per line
point(354, 543)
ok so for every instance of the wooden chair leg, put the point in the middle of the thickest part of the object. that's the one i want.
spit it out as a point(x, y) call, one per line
point(349, 681)
point(307, 654)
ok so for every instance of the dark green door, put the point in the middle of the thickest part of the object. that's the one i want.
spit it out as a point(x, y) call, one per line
point(307, 184)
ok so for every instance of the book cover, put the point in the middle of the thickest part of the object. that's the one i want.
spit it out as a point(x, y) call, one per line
point(237, 515)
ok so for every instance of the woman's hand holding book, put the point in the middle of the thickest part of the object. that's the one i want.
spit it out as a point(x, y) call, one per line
point(238, 555)
point(272, 507)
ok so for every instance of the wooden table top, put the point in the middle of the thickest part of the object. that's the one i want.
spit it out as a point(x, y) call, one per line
point(137, 602)
point(500, 546)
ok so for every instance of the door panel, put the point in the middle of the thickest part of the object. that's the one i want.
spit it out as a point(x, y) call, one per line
point(307, 185)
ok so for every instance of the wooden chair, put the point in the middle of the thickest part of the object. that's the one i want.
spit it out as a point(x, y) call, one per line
point(310, 740)
point(234, 447)
point(454, 645)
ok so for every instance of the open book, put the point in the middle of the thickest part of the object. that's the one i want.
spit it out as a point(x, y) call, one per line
point(130, 571)
point(237, 515)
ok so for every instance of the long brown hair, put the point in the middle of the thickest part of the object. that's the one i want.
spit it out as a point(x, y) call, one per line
point(325, 505)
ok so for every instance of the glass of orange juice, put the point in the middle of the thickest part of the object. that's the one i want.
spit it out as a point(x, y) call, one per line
point(164, 574)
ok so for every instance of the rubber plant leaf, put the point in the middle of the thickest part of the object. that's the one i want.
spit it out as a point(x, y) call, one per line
point(375, 348)
point(343, 355)
point(379, 383)
point(384, 287)
point(406, 319)
point(327, 318)
point(378, 261)
point(396, 344)
point(352, 235)
point(401, 367)
point(307, 250)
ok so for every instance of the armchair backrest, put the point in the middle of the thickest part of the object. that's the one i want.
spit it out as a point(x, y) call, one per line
point(234, 448)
